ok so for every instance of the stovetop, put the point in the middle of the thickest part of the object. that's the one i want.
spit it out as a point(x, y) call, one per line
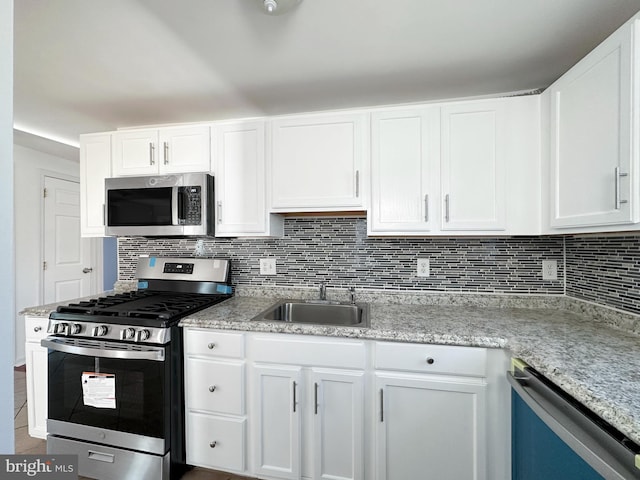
point(168, 290)
point(140, 308)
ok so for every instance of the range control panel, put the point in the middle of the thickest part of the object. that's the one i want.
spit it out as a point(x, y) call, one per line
point(186, 268)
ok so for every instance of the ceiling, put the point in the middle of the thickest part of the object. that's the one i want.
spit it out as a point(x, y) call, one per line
point(87, 66)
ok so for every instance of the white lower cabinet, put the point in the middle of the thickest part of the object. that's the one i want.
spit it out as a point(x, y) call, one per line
point(277, 436)
point(345, 409)
point(36, 366)
point(430, 428)
point(215, 393)
point(309, 415)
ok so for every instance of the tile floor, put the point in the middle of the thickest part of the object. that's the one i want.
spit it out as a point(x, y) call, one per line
point(27, 445)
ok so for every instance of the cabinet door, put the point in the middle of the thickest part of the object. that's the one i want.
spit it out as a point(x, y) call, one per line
point(277, 393)
point(338, 412)
point(239, 170)
point(36, 366)
point(404, 196)
point(591, 109)
point(185, 149)
point(135, 153)
point(430, 427)
point(473, 166)
point(317, 162)
point(95, 166)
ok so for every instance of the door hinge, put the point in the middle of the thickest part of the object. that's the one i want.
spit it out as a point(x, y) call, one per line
point(44, 265)
point(44, 193)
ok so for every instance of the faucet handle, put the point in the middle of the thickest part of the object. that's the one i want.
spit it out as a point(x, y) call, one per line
point(352, 292)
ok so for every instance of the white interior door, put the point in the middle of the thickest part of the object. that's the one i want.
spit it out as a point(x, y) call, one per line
point(67, 269)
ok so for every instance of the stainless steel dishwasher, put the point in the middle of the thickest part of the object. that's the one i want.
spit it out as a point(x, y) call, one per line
point(555, 437)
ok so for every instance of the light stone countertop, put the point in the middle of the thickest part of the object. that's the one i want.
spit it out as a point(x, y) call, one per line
point(596, 363)
point(591, 352)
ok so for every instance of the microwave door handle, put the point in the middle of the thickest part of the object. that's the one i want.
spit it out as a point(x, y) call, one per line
point(177, 205)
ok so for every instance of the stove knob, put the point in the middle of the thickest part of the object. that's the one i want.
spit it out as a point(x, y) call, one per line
point(99, 331)
point(143, 335)
point(76, 328)
point(61, 328)
point(127, 333)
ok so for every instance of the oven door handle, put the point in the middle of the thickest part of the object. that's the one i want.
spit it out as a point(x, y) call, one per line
point(151, 354)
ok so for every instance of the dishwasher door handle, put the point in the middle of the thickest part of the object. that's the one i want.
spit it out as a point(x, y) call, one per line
point(608, 456)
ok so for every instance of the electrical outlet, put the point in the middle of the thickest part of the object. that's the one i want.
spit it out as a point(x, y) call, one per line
point(549, 269)
point(267, 266)
point(199, 248)
point(423, 267)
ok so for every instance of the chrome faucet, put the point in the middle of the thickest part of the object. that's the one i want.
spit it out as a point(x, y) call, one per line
point(323, 291)
point(352, 293)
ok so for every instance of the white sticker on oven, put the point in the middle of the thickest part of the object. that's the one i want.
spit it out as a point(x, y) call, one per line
point(99, 389)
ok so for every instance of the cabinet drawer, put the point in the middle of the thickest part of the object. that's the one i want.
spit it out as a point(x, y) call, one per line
point(215, 386)
point(213, 343)
point(35, 328)
point(215, 442)
point(309, 351)
point(443, 359)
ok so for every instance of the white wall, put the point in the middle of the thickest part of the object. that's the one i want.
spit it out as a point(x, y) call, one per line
point(7, 440)
point(30, 167)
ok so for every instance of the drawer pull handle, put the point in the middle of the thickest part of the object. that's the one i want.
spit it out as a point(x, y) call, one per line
point(37, 329)
point(212, 388)
point(211, 346)
point(430, 361)
point(213, 444)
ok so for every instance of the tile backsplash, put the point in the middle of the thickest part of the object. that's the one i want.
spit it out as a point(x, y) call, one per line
point(604, 270)
point(338, 251)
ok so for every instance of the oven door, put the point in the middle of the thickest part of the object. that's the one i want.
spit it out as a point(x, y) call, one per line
point(112, 393)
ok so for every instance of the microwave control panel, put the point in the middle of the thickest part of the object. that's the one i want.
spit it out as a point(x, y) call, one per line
point(192, 205)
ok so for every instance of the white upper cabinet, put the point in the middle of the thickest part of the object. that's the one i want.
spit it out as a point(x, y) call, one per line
point(473, 166)
point(463, 168)
point(161, 151)
point(317, 162)
point(238, 160)
point(404, 171)
point(95, 166)
point(594, 136)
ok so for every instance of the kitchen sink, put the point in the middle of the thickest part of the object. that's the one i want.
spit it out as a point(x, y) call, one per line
point(317, 312)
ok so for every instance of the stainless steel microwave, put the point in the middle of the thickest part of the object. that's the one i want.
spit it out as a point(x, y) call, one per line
point(163, 206)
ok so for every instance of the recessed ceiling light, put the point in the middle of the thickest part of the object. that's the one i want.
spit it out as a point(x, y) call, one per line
point(278, 7)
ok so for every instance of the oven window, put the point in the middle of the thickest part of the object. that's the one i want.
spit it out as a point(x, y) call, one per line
point(141, 393)
point(139, 206)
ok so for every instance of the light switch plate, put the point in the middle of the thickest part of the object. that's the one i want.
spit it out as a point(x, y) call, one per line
point(267, 266)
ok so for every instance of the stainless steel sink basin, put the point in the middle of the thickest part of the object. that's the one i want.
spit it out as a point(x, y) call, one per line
point(316, 312)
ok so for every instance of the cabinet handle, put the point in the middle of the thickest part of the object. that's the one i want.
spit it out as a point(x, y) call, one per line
point(315, 398)
point(430, 360)
point(212, 388)
point(213, 444)
point(426, 208)
point(446, 208)
point(152, 149)
point(381, 405)
point(618, 174)
point(211, 346)
point(166, 153)
point(37, 329)
point(357, 183)
point(219, 212)
point(295, 399)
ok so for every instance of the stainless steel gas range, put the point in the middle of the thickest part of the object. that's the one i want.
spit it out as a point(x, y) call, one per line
point(115, 371)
